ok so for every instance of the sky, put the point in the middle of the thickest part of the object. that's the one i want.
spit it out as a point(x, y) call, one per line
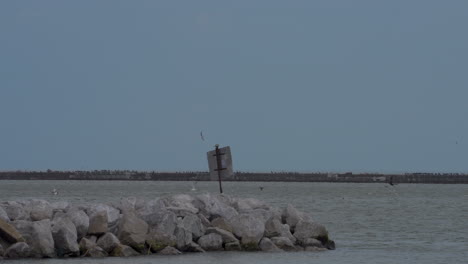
point(307, 86)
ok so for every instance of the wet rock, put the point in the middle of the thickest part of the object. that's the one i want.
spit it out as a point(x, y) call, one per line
point(267, 245)
point(220, 222)
point(194, 247)
point(283, 243)
point(96, 252)
point(225, 235)
point(211, 242)
point(124, 251)
point(232, 246)
point(40, 210)
point(38, 236)
point(157, 240)
point(308, 229)
point(330, 244)
point(9, 233)
point(18, 250)
point(249, 229)
point(98, 223)
point(193, 224)
point(64, 234)
point(108, 242)
point(169, 251)
point(132, 231)
point(311, 242)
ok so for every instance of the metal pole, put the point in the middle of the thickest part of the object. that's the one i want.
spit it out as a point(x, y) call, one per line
point(218, 162)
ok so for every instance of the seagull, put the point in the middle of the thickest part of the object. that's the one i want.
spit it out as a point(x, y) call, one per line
point(201, 135)
point(54, 191)
point(261, 188)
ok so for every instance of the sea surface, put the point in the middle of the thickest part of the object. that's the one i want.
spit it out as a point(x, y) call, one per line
point(370, 222)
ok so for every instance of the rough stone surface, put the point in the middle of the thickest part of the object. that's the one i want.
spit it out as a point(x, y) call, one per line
point(308, 229)
point(233, 246)
point(123, 251)
point(249, 229)
point(81, 221)
point(193, 224)
point(244, 205)
point(16, 211)
point(170, 251)
point(60, 206)
point(211, 242)
point(113, 214)
point(162, 221)
point(38, 236)
point(194, 247)
point(40, 210)
point(183, 238)
point(86, 244)
point(220, 222)
point(98, 223)
point(157, 240)
point(315, 249)
point(9, 232)
point(4, 215)
point(108, 242)
point(267, 245)
point(273, 228)
point(214, 206)
point(311, 242)
point(96, 252)
point(205, 222)
point(291, 216)
point(18, 250)
point(283, 243)
point(65, 238)
point(132, 231)
point(225, 235)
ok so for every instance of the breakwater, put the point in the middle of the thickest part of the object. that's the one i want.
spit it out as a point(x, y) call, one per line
point(108, 175)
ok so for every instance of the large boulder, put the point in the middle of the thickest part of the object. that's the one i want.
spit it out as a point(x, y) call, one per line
point(220, 222)
point(192, 223)
point(4, 215)
point(86, 244)
point(9, 233)
point(233, 246)
point(40, 210)
point(113, 215)
point(249, 228)
point(38, 236)
point(225, 235)
point(292, 216)
point(211, 242)
point(132, 231)
point(267, 245)
point(309, 229)
point(157, 240)
point(183, 238)
point(98, 223)
point(108, 242)
point(213, 206)
point(123, 251)
point(283, 243)
point(16, 211)
point(274, 228)
point(18, 250)
point(181, 202)
point(162, 221)
point(65, 238)
point(81, 221)
point(243, 205)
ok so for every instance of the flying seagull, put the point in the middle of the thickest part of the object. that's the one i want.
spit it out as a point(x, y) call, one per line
point(201, 135)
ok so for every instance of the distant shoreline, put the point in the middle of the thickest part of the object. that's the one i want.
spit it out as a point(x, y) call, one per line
point(108, 175)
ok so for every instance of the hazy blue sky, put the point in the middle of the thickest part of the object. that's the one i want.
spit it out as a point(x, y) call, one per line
point(289, 85)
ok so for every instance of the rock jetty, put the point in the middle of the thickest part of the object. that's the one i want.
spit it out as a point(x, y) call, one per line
point(167, 225)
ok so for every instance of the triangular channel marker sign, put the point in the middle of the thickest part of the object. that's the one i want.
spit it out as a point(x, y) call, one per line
point(226, 164)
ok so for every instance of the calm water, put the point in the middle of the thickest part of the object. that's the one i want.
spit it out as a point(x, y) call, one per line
point(370, 223)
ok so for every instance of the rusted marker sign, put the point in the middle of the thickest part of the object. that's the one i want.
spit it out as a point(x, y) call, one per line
point(220, 164)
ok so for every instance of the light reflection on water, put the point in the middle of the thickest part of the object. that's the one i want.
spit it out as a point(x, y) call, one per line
point(370, 223)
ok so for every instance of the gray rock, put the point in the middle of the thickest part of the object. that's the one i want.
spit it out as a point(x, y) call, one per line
point(4, 215)
point(232, 246)
point(243, 205)
point(124, 251)
point(274, 228)
point(211, 242)
point(308, 229)
point(183, 202)
point(162, 221)
point(193, 224)
point(38, 236)
point(194, 247)
point(158, 241)
point(291, 216)
point(40, 210)
point(267, 245)
point(183, 238)
point(283, 243)
point(81, 221)
point(249, 229)
point(9, 233)
point(108, 242)
point(311, 242)
point(169, 251)
point(329, 244)
point(150, 207)
point(60, 206)
point(132, 231)
point(315, 249)
point(64, 234)
point(96, 252)
point(215, 206)
point(225, 235)
point(98, 223)
point(86, 244)
point(18, 250)
point(220, 222)
point(16, 211)
point(205, 222)
point(127, 204)
point(113, 214)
